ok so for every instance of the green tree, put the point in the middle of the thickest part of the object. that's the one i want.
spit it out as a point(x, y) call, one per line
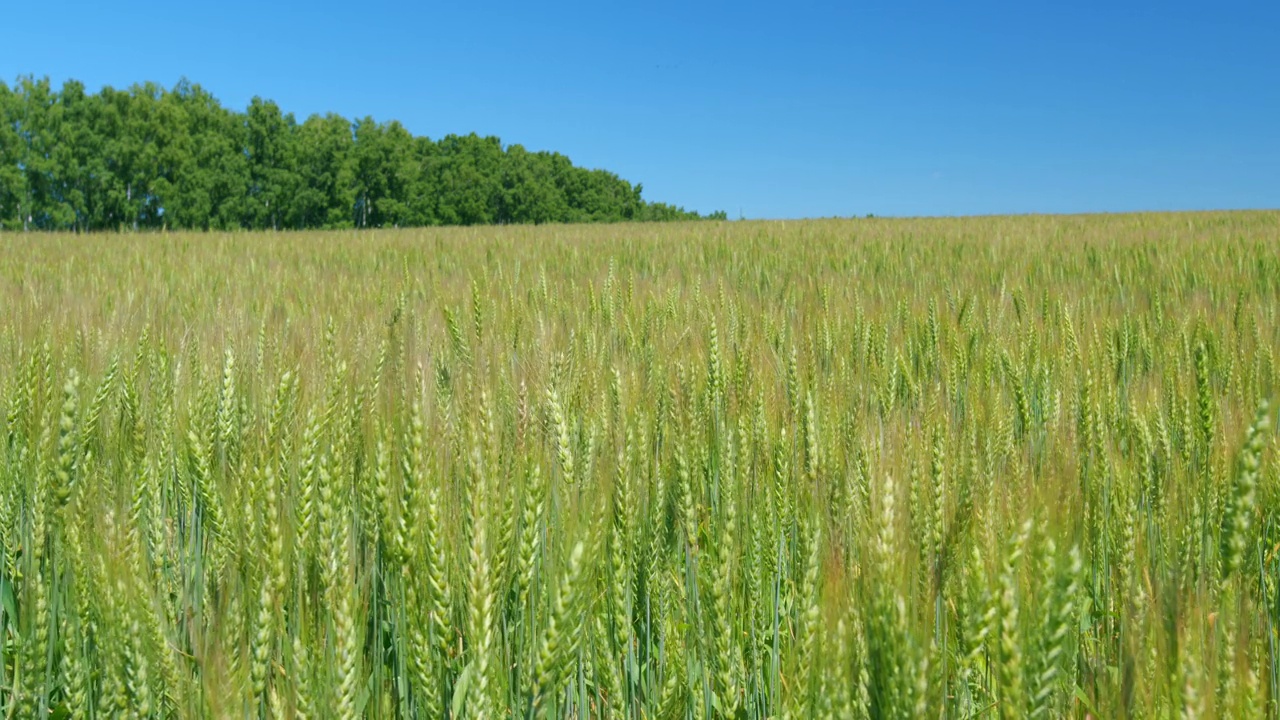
point(327, 197)
point(273, 173)
point(37, 129)
point(529, 193)
point(13, 181)
point(78, 156)
point(204, 162)
point(465, 171)
point(384, 171)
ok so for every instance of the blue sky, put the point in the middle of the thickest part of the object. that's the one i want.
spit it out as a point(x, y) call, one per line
point(761, 110)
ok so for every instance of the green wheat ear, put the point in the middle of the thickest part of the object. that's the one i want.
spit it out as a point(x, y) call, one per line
point(560, 637)
point(1239, 516)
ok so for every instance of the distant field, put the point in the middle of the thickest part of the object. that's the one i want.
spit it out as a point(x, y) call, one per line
point(987, 467)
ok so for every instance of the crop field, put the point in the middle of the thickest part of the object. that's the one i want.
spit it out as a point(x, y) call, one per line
point(956, 468)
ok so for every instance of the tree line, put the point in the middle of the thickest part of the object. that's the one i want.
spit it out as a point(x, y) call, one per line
point(154, 158)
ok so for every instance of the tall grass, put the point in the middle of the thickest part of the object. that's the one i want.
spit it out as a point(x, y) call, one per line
point(996, 467)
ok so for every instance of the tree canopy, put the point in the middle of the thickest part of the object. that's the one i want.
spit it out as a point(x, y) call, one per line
point(151, 158)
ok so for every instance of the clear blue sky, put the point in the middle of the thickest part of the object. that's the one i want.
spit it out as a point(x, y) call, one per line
point(765, 110)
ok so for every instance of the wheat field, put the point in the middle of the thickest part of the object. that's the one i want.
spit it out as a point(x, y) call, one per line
point(955, 468)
